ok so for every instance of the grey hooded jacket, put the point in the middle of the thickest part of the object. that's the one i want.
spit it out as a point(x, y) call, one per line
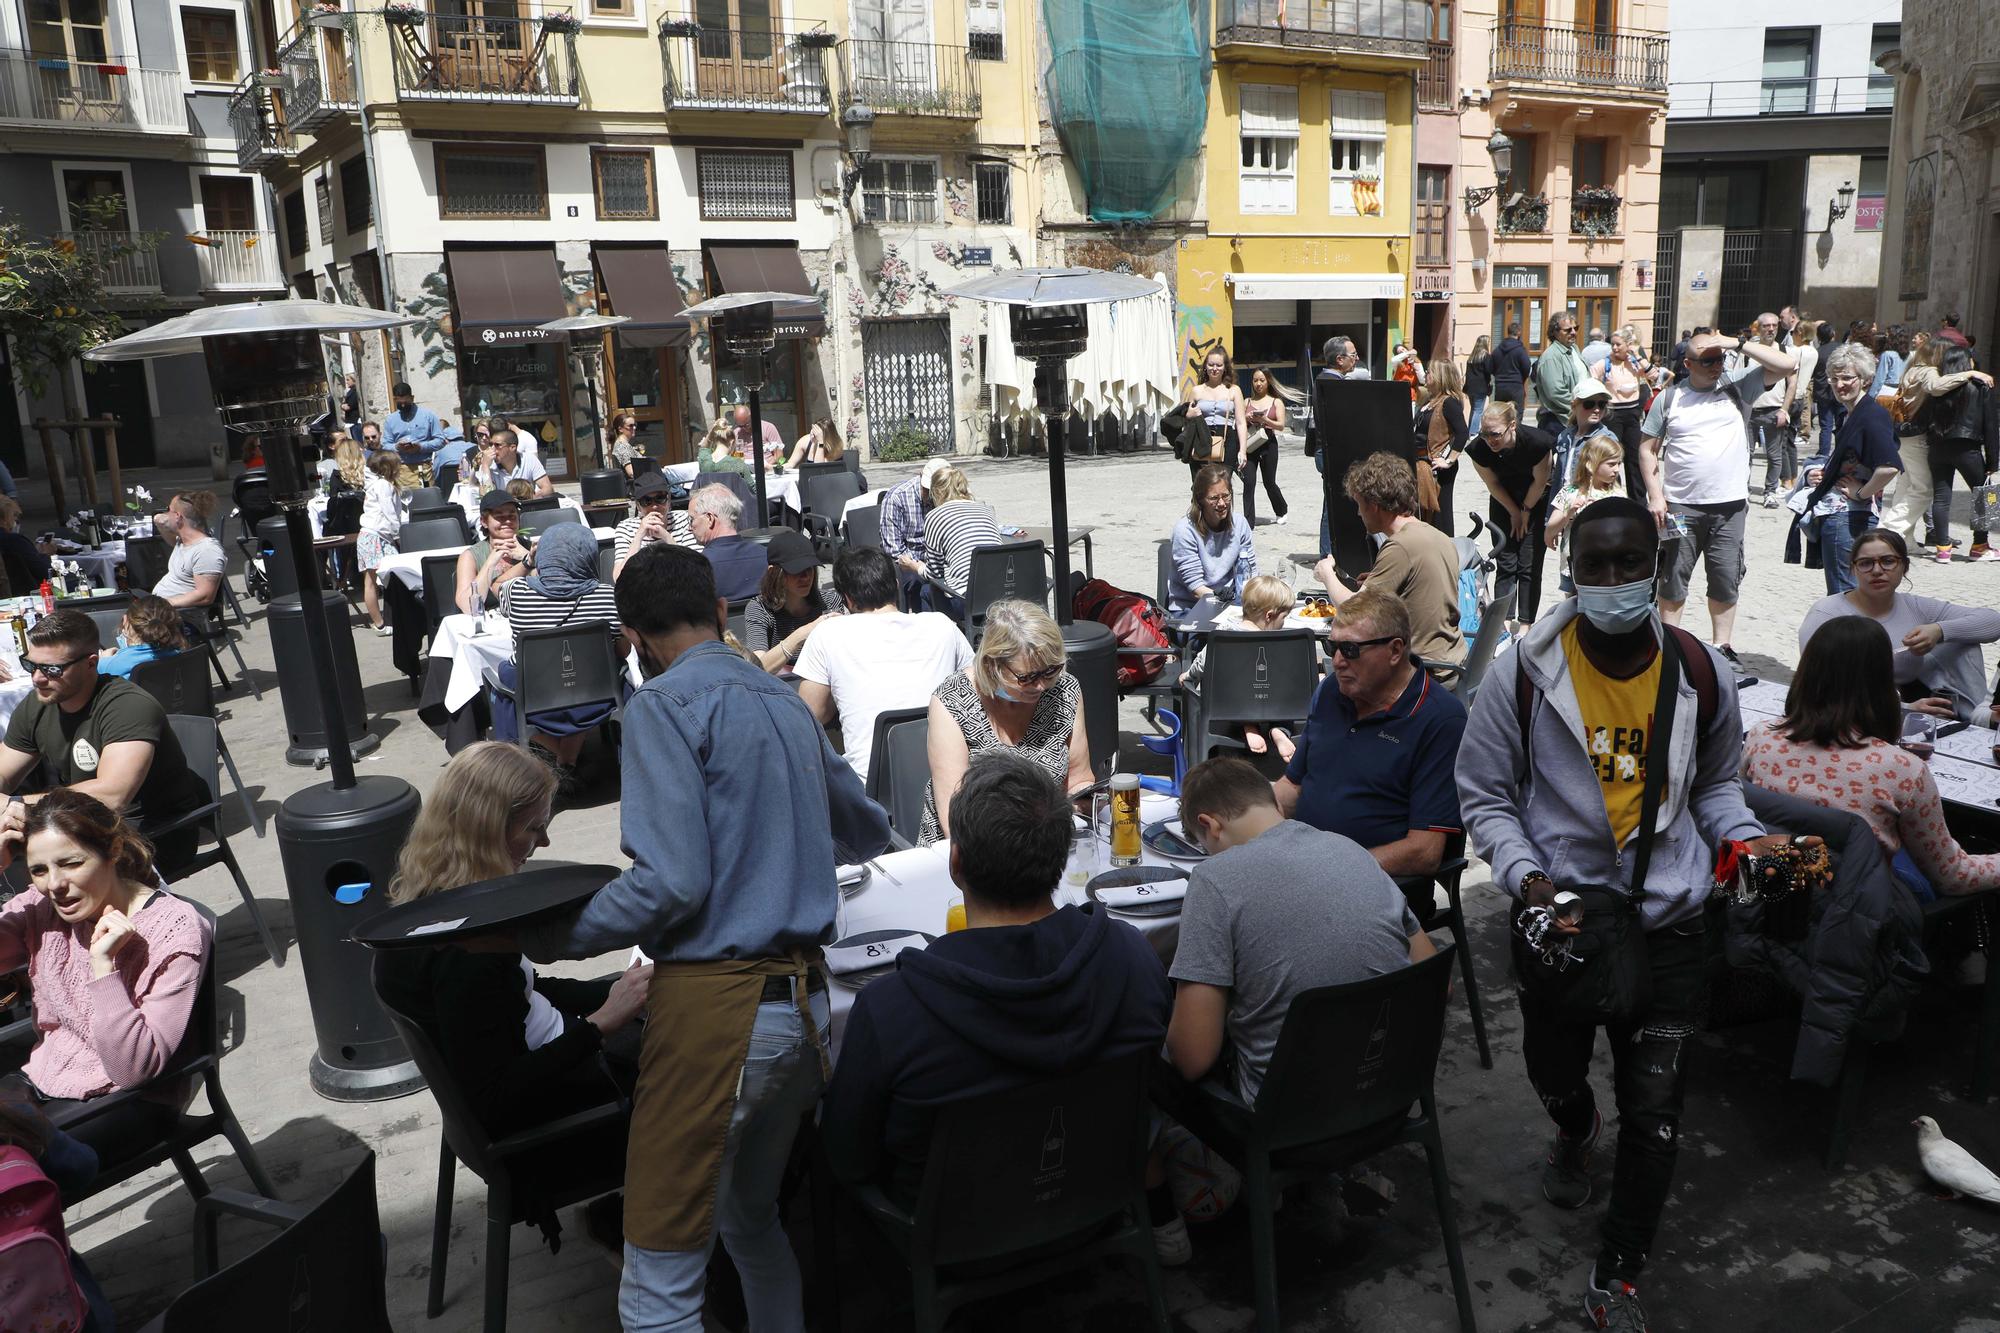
point(1553, 818)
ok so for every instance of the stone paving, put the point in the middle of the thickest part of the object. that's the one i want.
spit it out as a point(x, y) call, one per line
point(1757, 1235)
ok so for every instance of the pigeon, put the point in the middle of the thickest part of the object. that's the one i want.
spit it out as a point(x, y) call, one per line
point(1951, 1166)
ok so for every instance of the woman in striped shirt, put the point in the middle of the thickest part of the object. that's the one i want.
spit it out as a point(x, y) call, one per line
point(956, 526)
point(560, 589)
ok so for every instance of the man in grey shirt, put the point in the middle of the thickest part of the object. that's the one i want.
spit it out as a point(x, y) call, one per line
point(1279, 907)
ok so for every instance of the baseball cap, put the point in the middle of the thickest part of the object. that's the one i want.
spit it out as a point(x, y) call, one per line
point(1588, 388)
point(932, 468)
point(791, 552)
point(650, 483)
point(494, 500)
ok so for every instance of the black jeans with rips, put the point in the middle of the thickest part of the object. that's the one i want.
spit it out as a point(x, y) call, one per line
point(1649, 1076)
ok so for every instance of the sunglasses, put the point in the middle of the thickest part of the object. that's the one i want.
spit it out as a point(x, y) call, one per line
point(1046, 674)
point(652, 502)
point(1715, 359)
point(54, 670)
point(1350, 649)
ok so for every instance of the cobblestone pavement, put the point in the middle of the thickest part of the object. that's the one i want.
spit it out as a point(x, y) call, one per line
point(1757, 1235)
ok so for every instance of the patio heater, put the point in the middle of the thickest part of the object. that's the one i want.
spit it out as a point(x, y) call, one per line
point(338, 840)
point(744, 323)
point(1048, 318)
point(585, 334)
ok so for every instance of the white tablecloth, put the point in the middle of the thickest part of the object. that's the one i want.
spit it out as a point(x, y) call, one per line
point(476, 644)
point(101, 565)
point(407, 567)
point(12, 692)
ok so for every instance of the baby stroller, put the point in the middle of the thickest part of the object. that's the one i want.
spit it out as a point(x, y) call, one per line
point(1480, 619)
point(252, 495)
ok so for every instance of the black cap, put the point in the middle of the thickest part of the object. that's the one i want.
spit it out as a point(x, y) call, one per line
point(791, 552)
point(494, 499)
point(650, 483)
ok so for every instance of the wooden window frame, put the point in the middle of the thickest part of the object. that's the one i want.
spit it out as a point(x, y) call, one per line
point(354, 171)
point(616, 9)
point(443, 152)
point(1503, 297)
point(652, 213)
point(209, 14)
point(791, 184)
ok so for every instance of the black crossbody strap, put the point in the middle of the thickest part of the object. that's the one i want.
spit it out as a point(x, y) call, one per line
point(1659, 740)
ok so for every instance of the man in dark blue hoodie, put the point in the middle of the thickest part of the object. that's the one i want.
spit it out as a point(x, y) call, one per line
point(1512, 368)
point(1026, 991)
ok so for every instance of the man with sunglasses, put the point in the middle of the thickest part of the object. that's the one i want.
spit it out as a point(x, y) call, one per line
point(1375, 760)
point(1558, 370)
point(101, 735)
point(1695, 456)
point(655, 520)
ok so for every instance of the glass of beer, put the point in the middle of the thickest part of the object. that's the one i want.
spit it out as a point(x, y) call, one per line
point(1125, 819)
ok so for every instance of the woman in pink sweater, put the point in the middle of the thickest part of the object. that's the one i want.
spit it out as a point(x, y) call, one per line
point(116, 963)
point(1836, 745)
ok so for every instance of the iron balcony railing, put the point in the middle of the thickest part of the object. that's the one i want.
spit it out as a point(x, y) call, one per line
point(1381, 27)
point(458, 57)
point(1594, 214)
point(909, 78)
point(127, 260)
point(111, 95)
point(1526, 216)
point(237, 260)
point(318, 77)
point(1726, 98)
point(758, 64)
point(1434, 88)
point(256, 120)
point(1554, 53)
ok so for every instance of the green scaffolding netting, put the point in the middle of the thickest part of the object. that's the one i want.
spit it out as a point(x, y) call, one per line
point(1128, 92)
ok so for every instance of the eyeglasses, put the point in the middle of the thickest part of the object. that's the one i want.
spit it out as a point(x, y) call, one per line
point(1046, 674)
point(1350, 649)
point(54, 670)
point(371, 439)
point(1844, 379)
point(1869, 563)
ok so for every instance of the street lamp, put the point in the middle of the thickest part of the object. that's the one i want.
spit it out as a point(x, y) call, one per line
point(1837, 208)
point(585, 334)
point(743, 323)
point(1048, 318)
point(1501, 149)
point(858, 124)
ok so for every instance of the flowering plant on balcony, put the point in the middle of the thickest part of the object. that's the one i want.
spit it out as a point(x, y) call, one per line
point(407, 16)
point(561, 23)
point(1593, 211)
point(819, 39)
point(1526, 217)
point(681, 28)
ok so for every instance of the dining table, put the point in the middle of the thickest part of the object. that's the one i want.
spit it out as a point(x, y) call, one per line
point(1964, 764)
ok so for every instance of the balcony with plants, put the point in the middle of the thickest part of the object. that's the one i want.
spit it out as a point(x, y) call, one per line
point(318, 75)
point(1594, 212)
point(256, 118)
point(461, 56)
point(720, 62)
point(1524, 215)
point(909, 78)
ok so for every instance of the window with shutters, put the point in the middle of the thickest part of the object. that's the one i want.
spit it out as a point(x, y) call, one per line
point(1433, 228)
point(985, 29)
point(900, 189)
point(744, 184)
point(228, 203)
point(1358, 136)
point(1268, 147)
point(297, 237)
point(209, 35)
point(492, 182)
point(994, 186)
point(622, 180)
point(354, 199)
point(323, 200)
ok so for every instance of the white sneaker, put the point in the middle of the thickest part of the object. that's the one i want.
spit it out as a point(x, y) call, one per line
point(385, 630)
point(1281, 520)
point(1770, 499)
point(1171, 1243)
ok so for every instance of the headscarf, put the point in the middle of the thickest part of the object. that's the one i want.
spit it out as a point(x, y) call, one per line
point(565, 562)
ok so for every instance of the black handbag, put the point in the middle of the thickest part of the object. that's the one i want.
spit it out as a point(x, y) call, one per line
point(1606, 978)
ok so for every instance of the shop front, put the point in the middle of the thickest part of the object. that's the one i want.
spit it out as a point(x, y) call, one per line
point(507, 366)
point(766, 267)
point(1281, 321)
point(644, 371)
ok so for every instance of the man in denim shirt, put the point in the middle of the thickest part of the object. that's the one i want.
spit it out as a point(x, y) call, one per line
point(733, 804)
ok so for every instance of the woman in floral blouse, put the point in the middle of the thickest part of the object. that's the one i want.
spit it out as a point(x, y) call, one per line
point(1836, 746)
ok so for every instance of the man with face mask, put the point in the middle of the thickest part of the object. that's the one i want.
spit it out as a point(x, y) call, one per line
point(1551, 785)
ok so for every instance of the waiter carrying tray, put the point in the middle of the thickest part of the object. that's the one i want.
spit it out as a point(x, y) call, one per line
point(732, 908)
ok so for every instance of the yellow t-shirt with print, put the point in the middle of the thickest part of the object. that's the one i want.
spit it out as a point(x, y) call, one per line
point(1617, 723)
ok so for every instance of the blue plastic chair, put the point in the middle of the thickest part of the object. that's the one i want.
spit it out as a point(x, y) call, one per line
point(1167, 744)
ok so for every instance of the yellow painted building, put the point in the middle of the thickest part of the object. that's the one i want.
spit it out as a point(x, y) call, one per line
point(1308, 186)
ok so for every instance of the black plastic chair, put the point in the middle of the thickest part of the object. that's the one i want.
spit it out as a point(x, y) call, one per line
point(464, 1139)
point(535, 504)
point(108, 613)
point(607, 559)
point(440, 585)
point(1025, 1184)
point(570, 666)
point(1350, 1062)
point(145, 562)
point(742, 487)
point(1253, 676)
point(434, 534)
point(180, 683)
point(424, 497)
point(550, 517)
point(736, 618)
point(198, 741)
point(1420, 890)
point(808, 471)
point(199, 1057)
point(326, 1269)
point(206, 626)
point(864, 527)
point(1002, 571)
point(1464, 680)
point(251, 494)
point(444, 478)
point(899, 766)
point(343, 514)
point(604, 484)
point(821, 500)
point(437, 513)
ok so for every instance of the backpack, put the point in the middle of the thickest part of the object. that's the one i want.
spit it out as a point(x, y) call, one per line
point(1744, 398)
point(1136, 621)
point(37, 1286)
point(1697, 667)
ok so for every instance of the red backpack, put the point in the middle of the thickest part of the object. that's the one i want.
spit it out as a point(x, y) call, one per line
point(1135, 621)
point(37, 1288)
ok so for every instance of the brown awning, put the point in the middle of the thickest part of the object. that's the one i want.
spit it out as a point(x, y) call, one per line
point(639, 279)
point(499, 295)
point(768, 268)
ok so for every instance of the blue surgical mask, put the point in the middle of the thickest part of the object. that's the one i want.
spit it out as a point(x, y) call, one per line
point(1000, 691)
point(124, 642)
point(1617, 609)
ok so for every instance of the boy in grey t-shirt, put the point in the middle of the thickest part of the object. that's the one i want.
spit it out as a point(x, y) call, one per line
point(1279, 907)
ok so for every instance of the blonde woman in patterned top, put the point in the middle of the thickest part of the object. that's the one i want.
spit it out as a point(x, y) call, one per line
point(1015, 695)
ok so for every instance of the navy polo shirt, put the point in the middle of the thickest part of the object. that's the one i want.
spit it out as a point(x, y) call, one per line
point(1377, 779)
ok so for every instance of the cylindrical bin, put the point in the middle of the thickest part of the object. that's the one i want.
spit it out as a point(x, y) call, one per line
point(298, 688)
point(1093, 660)
point(339, 849)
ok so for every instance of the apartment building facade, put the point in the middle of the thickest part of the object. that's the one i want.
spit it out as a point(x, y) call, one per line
point(535, 161)
point(127, 100)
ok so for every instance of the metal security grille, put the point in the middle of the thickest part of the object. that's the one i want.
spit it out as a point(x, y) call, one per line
point(491, 183)
point(899, 189)
point(906, 365)
point(745, 185)
point(624, 184)
point(995, 187)
point(1666, 284)
point(1760, 271)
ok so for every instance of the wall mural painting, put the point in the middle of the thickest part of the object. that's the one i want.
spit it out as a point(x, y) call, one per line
point(432, 307)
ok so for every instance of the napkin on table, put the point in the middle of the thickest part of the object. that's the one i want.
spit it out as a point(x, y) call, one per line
point(841, 960)
point(1132, 895)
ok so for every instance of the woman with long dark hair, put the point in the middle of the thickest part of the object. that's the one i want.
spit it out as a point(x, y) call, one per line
point(1265, 412)
point(1836, 747)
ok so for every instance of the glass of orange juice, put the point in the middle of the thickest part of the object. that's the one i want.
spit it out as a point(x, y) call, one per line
point(954, 914)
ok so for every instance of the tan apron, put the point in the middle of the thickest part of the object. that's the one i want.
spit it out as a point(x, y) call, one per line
point(699, 1017)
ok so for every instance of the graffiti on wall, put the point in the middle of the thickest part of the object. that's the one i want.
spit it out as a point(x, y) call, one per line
point(432, 307)
point(1195, 323)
